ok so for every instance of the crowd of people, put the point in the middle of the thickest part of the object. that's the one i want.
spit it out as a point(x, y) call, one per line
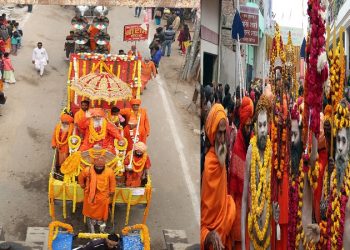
point(268, 182)
point(10, 42)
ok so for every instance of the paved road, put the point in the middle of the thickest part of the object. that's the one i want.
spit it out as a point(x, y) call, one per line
point(33, 108)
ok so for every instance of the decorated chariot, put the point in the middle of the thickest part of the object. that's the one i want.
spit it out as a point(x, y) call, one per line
point(106, 81)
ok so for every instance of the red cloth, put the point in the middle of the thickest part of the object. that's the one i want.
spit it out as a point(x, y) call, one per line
point(236, 181)
point(246, 111)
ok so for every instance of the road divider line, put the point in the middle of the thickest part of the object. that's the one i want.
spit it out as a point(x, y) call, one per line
point(180, 149)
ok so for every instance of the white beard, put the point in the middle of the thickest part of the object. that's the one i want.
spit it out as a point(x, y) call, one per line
point(97, 123)
point(221, 151)
point(64, 127)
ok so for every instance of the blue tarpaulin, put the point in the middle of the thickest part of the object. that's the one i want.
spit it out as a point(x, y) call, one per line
point(237, 27)
point(63, 241)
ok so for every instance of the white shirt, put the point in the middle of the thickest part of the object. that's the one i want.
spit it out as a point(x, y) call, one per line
point(40, 55)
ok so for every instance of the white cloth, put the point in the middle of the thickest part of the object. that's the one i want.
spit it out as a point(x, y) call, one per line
point(40, 56)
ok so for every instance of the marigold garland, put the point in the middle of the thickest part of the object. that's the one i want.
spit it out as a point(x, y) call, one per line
point(317, 64)
point(92, 236)
point(72, 146)
point(260, 196)
point(64, 140)
point(71, 167)
point(279, 142)
point(144, 234)
point(95, 136)
point(333, 239)
point(52, 228)
point(337, 70)
point(138, 166)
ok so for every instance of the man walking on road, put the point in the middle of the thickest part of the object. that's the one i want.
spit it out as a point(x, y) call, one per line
point(169, 39)
point(40, 58)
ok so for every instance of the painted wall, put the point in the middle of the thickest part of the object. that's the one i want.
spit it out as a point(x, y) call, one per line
point(210, 18)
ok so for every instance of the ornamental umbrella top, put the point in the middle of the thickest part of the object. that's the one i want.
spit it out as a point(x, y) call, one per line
point(102, 86)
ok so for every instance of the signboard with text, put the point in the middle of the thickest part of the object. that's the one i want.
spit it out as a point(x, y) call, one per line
point(135, 32)
point(250, 20)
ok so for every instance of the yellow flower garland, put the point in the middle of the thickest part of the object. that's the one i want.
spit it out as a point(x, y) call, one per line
point(74, 146)
point(140, 164)
point(143, 233)
point(97, 136)
point(336, 215)
point(52, 228)
point(259, 202)
point(71, 167)
point(57, 134)
point(92, 236)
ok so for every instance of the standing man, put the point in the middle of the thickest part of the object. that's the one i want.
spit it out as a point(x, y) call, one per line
point(148, 71)
point(63, 130)
point(256, 199)
point(98, 183)
point(157, 56)
point(134, 52)
point(218, 210)
point(40, 58)
point(69, 45)
point(176, 22)
point(138, 11)
point(169, 39)
point(80, 115)
point(238, 164)
point(138, 113)
point(170, 20)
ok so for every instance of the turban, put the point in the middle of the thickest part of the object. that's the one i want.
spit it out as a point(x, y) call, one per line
point(140, 146)
point(135, 102)
point(264, 103)
point(216, 114)
point(66, 118)
point(246, 110)
point(97, 112)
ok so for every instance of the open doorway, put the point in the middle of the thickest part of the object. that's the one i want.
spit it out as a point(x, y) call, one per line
point(209, 62)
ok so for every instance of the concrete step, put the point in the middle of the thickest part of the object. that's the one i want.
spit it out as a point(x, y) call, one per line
point(20, 245)
point(184, 246)
point(38, 235)
point(173, 237)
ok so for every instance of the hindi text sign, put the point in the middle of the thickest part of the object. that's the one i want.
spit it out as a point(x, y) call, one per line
point(134, 32)
point(250, 20)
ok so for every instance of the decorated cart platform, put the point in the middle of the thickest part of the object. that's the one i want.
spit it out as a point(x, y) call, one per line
point(66, 189)
point(61, 237)
point(102, 79)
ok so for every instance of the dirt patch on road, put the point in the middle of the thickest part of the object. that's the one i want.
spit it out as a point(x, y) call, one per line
point(35, 134)
point(30, 80)
point(34, 182)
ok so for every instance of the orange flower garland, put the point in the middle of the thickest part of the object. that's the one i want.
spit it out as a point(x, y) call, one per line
point(95, 136)
point(54, 225)
point(145, 237)
point(139, 164)
point(64, 140)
